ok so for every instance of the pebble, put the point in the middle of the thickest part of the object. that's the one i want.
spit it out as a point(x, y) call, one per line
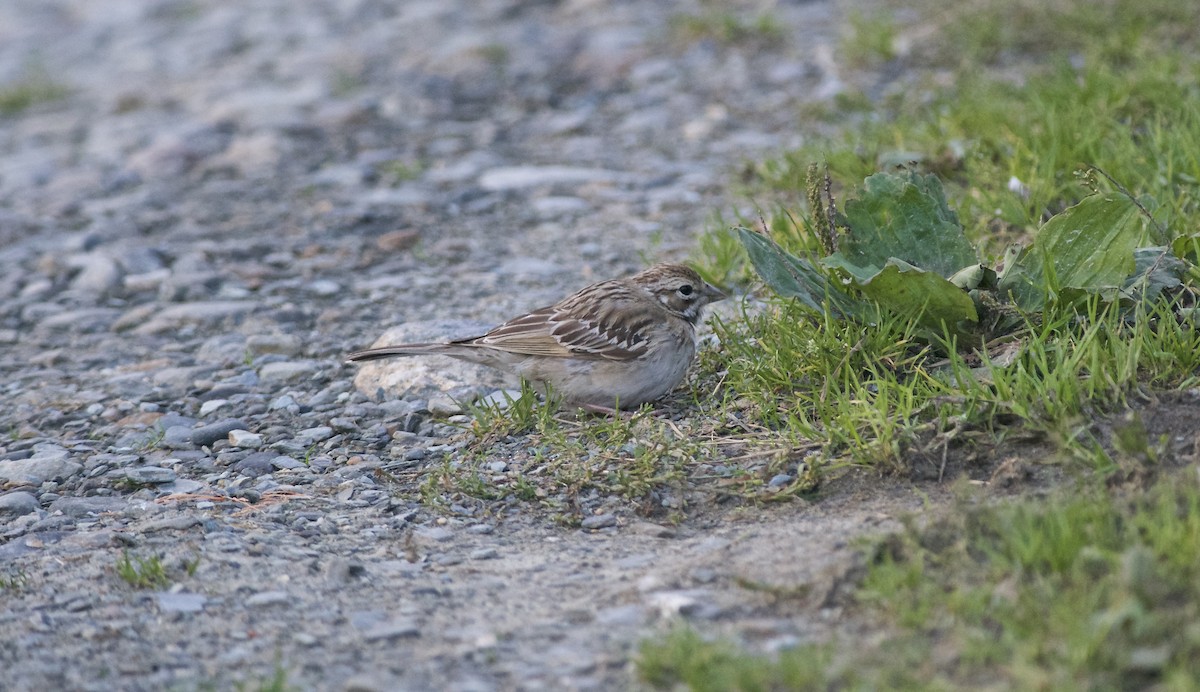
point(401, 628)
point(286, 462)
point(311, 436)
point(151, 475)
point(443, 406)
point(265, 599)
point(17, 503)
point(284, 344)
point(206, 435)
point(211, 406)
point(779, 480)
point(182, 602)
point(87, 506)
point(245, 439)
point(178, 437)
point(289, 371)
point(38, 469)
point(598, 521)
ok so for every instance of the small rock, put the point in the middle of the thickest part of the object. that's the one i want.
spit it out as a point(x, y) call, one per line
point(443, 406)
point(87, 506)
point(17, 503)
point(484, 554)
point(439, 534)
point(256, 464)
point(51, 466)
point(393, 629)
point(181, 602)
point(396, 241)
point(289, 371)
point(284, 344)
point(648, 528)
point(311, 436)
point(324, 288)
point(206, 435)
point(212, 405)
point(779, 480)
point(245, 439)
point(285, 402)
point(177, 437)
point(267, 598)
point(598, 521)
point(151, 475)
point(286, 462)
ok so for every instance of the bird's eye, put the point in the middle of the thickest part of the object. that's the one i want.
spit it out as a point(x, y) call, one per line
point(685, 290)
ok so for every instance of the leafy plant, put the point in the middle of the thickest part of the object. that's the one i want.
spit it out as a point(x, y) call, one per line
point(898, 248)
point(142, 572)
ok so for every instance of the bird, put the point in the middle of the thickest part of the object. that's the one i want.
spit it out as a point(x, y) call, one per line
point(613, 345)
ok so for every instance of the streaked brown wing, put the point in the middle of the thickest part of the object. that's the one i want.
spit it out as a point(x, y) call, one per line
point(529, 335)
point(612, 332)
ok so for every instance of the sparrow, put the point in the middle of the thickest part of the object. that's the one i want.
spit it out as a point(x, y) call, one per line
point(616, 344)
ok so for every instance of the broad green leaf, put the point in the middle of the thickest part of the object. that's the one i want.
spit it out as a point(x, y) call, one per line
point(1156, 269)
point(903, 216)
point(932, 301)
point(1088, 247)
point(793, 277)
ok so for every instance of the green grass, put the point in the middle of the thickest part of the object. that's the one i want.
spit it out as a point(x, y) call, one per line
point(870, 392)
point(727, 28)
point(33, 89)
point(1091, 590)
point(142, 572)
point(13, 580)
point(1095, 586)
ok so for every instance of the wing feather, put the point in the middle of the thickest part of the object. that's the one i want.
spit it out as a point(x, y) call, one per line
point(576, 328)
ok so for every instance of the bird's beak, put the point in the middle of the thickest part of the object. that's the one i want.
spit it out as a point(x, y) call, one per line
point(713, 294)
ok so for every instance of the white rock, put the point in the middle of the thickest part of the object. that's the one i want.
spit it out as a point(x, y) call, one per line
point(245, 439)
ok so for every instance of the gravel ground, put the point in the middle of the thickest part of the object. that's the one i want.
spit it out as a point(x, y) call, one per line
point(232, 195)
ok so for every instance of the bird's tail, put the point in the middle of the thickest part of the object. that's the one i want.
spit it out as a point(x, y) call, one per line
point(396, 351)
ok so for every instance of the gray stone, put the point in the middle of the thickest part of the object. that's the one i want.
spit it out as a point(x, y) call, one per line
point(151, 474)
point(17, 503)
point(392, 629)
point(245, 439)
point(38, 469)
point(284, 344)
point(171, 524)
point(311, 436)
point(256, 464)
point(285, 402)
point(182, 485)
point(286, 462)
point(442, 406)
point(181, 602)
point(177, 437)
point(211, 406)
point(289, 371)
point(87, 506)
point(268, 598)
point(197, 312)
point(98, 273)
point(414, 378)
point(779, 480)
point(598, 521)
point(206, 435)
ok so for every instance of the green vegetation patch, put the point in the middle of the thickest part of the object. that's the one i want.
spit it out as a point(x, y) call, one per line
point(1097, 590)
